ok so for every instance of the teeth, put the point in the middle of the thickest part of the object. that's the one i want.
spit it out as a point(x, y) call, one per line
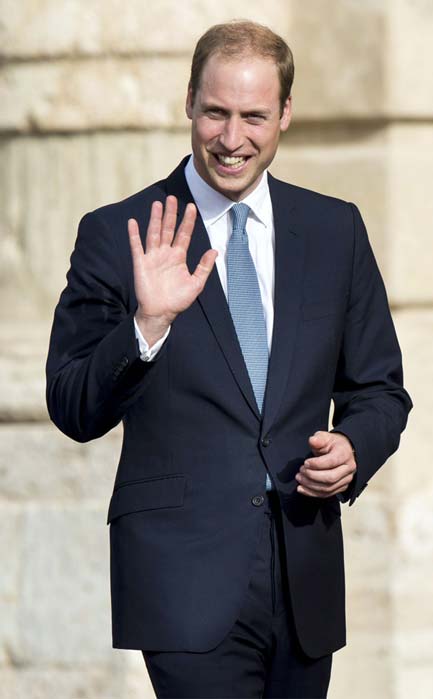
point(230, 160)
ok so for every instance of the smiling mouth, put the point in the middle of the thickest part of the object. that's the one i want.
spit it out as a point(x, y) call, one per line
point(231, 161)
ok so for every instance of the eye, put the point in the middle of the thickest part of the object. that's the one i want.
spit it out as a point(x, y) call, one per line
point(254, 118)
point(215, 113)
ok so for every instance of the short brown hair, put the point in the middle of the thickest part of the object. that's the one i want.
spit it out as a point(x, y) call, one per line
point(239, 38)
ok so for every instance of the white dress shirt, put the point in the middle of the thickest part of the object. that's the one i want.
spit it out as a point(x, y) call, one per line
point(214, 210)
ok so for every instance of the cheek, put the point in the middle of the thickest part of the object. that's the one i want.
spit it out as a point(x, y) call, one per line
point(272, 136)
point(207, 131)
point(265, 140)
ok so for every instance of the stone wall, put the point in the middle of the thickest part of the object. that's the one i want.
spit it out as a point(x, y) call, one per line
point(92, 101)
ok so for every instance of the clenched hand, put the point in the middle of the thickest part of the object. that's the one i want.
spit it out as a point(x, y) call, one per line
point(331, 469)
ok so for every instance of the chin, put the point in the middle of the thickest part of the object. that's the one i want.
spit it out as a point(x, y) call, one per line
point(230, 185)
point(231, 192)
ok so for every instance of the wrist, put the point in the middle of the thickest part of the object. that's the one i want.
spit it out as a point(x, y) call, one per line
point(152, 328)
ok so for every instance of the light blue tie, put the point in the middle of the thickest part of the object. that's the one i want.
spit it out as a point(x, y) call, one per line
point(246, 308)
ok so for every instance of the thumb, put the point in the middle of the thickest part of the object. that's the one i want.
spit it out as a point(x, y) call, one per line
point(204, 268)
point(319, 442)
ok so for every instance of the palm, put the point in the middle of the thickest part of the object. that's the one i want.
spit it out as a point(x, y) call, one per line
point(163, 284)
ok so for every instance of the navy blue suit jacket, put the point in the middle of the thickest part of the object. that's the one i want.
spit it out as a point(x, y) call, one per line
point(183, 526)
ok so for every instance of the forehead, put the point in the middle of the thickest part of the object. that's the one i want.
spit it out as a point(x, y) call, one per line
point(244, 79)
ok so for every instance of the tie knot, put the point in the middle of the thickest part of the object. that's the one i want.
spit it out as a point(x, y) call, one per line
point(239, 214)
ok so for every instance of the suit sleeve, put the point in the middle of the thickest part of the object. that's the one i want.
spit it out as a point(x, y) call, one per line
point(371, 405)
point(94, 372)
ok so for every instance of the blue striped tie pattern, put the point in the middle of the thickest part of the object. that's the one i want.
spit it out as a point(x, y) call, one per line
point(246, 308)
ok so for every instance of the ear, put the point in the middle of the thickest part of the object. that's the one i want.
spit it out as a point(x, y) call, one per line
point(286, 116)
point(189, 105)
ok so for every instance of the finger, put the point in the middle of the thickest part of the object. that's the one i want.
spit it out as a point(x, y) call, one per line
point(337, 453)
point(320, 442)
point(328, 492)
point(331, 480)
point(324, 478)
point(169, 220)
point(326, 461)
point(183, 236)
point(153, 236)
point(204, 268)
point(305, 491)
point(136, 246)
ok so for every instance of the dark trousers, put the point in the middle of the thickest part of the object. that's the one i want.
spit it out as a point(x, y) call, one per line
point(260, 657)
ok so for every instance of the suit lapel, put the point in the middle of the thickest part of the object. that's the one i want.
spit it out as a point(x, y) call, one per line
point(212, 299)
point(289, 272)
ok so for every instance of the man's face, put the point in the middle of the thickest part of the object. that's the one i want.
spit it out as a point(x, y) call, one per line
point(236, 122)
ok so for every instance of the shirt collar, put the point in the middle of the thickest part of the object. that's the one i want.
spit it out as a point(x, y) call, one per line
point(213, 205)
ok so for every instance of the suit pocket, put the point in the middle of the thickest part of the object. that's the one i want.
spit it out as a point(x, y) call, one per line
point(320, 309)
point(147, 494)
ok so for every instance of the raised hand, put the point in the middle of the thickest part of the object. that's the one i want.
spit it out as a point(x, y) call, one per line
point(331, 469)
point(163, 284)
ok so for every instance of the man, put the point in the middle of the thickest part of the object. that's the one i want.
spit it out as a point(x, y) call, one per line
point(226, 547)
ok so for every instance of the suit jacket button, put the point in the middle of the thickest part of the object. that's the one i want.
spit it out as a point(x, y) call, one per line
point(266, 442)
point(258, 500)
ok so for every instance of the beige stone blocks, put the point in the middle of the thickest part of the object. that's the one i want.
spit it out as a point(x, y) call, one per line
point(38, 224)
point(103, 93)
point(38, 462)
point(368, 528)
point(22, 371)
point(110, 680)
point(55, 637)
point(410, 584)
point(11, 547)
point(370, 60)
point(54, 589)
point(65, 568)
point(412, 469)
point(362, 668)
point(339, 47)
point(32, 29)
point(409, 77)
point(410, 213)
point(412, 552)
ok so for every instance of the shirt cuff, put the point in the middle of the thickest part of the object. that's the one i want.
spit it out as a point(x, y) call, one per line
point(148, 353)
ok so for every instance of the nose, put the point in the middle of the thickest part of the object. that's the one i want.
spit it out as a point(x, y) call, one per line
point(231, 136)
